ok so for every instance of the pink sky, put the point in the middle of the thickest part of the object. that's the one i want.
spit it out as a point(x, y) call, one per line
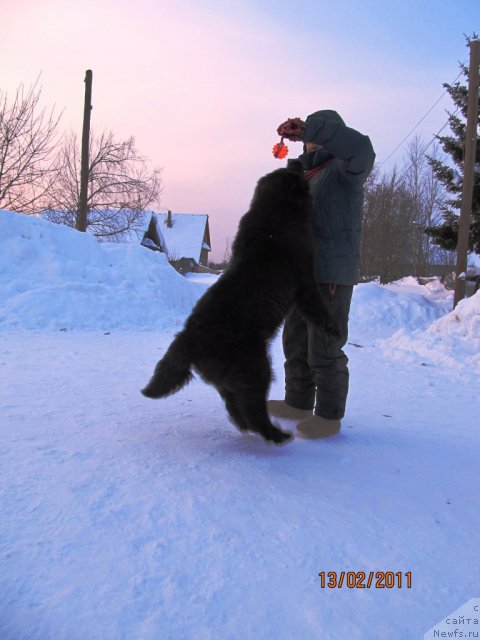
point(203, 85)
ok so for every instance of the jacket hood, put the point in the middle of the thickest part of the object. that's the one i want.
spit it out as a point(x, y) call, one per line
point(328, 114)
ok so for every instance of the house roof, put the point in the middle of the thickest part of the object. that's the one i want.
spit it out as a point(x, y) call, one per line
point(185, 238)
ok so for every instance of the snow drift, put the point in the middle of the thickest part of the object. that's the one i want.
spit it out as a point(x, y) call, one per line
point(54, 277)
point(452, 341)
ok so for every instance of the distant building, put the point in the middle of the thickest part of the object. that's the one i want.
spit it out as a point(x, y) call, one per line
point(183, 237)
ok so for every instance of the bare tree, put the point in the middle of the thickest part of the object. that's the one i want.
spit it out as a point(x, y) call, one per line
point(428, 203)
point(120, 187)
point(398, 207)
point(386, 229)
point(28, 141)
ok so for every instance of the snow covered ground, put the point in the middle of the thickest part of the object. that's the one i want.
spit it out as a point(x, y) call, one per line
point(126, 518)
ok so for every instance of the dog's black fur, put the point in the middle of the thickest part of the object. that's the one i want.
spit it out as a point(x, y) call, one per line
point(225, 338)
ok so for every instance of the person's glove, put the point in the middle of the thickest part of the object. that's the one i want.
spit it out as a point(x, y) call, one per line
point(292, 129)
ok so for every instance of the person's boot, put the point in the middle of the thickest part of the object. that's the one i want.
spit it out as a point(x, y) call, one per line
point(317, 427)
point(280, 409)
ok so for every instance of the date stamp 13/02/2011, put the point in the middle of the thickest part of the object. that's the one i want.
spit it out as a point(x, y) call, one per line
point(365, 579)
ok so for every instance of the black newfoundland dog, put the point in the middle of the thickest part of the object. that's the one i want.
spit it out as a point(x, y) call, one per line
point(225, 337)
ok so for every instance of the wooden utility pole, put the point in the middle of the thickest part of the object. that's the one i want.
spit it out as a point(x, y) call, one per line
point(468, 171)
point(82, 213)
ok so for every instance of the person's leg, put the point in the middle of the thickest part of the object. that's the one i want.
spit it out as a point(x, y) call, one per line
point(326, 357)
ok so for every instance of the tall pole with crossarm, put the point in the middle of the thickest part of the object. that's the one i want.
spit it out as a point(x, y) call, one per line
point(468, 171)
point(82, 213)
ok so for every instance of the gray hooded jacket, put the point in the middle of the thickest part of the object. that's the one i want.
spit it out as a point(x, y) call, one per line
point(337, 191)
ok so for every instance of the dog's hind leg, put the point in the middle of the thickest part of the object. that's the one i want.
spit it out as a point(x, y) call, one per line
point(234, 411)
point(253, 408)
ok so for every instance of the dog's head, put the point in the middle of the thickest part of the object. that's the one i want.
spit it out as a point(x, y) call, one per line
point(283, 190)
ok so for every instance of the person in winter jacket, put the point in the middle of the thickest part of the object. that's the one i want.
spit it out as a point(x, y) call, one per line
point(337, 160)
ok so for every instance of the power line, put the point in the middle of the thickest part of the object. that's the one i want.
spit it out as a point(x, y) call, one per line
point(409, 168)
point(421, 120)
point(412, 130)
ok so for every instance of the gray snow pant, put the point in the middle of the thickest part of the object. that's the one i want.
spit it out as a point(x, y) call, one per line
point(316, 371)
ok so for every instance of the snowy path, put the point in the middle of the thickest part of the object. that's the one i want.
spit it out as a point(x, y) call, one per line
point(124, 518)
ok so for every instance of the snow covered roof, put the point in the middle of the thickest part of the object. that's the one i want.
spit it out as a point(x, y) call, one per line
point(186, 237)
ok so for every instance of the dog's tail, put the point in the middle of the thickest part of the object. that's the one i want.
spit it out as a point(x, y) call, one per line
point(172, 372)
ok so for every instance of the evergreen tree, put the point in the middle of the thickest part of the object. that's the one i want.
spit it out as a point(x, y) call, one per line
point(446, 233)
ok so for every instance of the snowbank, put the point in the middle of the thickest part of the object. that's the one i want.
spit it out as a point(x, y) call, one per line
point(53, 277)
point(452, 341)
point(383, 309)
point(413, 322)
point(463, 321)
